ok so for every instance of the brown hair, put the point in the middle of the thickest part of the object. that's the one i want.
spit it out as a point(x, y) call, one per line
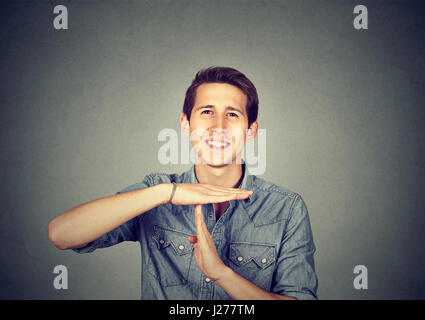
point(223, 75)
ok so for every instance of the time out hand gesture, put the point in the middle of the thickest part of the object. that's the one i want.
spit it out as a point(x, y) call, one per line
point(205, 252)
point(201, 193)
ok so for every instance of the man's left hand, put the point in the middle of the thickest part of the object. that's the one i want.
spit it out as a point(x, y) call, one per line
point(205, 252)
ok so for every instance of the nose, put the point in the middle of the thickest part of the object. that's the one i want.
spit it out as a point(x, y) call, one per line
point(219, 130)
point(219, 124)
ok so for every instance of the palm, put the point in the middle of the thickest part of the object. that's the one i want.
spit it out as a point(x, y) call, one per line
point(205, 252)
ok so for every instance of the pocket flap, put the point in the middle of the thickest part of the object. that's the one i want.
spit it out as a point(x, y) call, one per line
point(262, 254)
point(164, 237)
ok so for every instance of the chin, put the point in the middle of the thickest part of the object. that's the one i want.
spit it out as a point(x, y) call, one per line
point(218, 163)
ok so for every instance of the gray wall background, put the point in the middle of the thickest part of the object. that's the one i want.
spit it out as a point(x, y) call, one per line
point(81, 110)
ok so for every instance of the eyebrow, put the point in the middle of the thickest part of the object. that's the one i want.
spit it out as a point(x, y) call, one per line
point(227, 108)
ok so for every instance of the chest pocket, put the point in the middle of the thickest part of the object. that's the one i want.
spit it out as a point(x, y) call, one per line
point(170, 257)
point(254, 261)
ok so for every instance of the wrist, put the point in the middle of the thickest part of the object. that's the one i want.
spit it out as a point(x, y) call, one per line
point(165, 190)
point(225, 275)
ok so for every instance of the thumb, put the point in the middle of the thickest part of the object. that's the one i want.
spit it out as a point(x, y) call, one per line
point(198, 209)
point(192, 239)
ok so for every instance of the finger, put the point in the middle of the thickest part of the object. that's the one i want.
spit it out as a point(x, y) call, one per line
point(219, 192)
point(245, 195)
point(205, 235)
point(223, 198)
point(192, 239)
point(201, 228)
point(198, 215)
point(203, 225)
point(198, 209)
point(232, 190)
point(224, 189)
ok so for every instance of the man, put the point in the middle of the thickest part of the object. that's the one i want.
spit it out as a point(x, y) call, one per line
point(213, 232)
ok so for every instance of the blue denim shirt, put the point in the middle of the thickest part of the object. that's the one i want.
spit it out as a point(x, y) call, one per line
point(266, 238)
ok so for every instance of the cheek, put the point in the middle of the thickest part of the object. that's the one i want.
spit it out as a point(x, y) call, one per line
point(197, 135)
point(238, 135)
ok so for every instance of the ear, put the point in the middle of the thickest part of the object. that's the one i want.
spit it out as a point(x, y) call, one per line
point(184, 124)
point(252, 131)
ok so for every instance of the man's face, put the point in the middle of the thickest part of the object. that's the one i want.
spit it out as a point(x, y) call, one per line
point(218, 124)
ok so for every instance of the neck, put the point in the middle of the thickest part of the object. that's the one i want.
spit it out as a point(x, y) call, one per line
point(229, 176)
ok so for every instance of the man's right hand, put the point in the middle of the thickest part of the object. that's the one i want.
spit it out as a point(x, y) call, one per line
point(201, 193)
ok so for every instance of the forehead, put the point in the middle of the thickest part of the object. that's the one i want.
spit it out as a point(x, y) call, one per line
point(220, 94)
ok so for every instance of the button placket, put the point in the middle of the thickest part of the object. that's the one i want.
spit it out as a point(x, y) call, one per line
point(210, 217)
point(207, 288)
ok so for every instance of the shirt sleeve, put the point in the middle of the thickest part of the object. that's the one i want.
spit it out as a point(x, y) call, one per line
point(295, 274)
point(128, 231)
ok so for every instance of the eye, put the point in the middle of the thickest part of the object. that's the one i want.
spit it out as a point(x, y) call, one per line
point(206, 112)
point(233, 115)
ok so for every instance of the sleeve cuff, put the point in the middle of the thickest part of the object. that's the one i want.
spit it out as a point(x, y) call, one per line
point(300, 295)
point(86, 249)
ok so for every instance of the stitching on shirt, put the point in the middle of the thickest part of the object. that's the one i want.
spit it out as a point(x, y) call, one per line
point(150, 178)
point(291, 210)
point(167, 177)
point(168, 228)
point(156, 174)
point(272, 188)
point(140, 217)
point(275, 220)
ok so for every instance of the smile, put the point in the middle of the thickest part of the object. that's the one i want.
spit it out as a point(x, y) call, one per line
point(217, 144)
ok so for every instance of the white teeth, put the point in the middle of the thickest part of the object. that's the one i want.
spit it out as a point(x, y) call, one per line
point(218, 144)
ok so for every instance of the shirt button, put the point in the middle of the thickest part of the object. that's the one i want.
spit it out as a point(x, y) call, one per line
point(211, 215)
point(161, 241)
point(207, 279)
point(181, 247)
point(240, 258)
point(264, 260)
